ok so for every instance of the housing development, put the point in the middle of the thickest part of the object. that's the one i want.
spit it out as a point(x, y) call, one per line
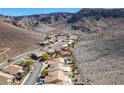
point(52, 63)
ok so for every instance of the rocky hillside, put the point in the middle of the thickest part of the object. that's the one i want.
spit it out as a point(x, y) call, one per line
point(94, 20)
point(100, 52)
point(15, 40)
point(28, 22)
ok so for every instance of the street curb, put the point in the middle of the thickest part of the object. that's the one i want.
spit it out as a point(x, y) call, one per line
point(25, 78)
point(42, 68)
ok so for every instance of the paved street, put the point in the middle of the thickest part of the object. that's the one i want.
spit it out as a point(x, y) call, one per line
point(31, 80)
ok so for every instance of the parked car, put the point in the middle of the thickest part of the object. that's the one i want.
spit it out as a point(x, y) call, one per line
point(40, 59)
point(33, 56)
point(39, 81)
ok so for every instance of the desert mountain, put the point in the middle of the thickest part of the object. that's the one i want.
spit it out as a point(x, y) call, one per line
point(15, 40)
point(100, 52)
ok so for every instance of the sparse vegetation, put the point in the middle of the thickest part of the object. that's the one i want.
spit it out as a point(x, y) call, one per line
point(72, 45)
point(10, 60)
point(73, 66)
point(17, 40)
point(26, 63)
point(44, 73)
point(45, 56)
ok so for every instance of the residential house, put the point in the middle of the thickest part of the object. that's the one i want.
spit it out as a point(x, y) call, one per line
point(73, 37)
point(58, 50)
point(58, 72)
point(56, 77)
point(46, 42)
point(67, 69)
point(51, 51)
point(56, 61)
point(70, 42)
point(38, 54)
point(64, 45)
point(5, 78)
point(64, 53)
point(56, 66)
point(13, 69)
point(52, 39)
point(59, 60)
point(42, 44)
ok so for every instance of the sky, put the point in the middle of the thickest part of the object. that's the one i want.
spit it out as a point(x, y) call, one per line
point(31, 11)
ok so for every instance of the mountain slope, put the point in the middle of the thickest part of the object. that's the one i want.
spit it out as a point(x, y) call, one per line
point(17, 40)
point(100, 52)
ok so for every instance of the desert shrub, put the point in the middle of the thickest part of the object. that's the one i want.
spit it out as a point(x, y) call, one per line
point(45, 56)
point(10, 60)
point(44, 73)
point(72, 45)
point(73, 66)
point(27, 63)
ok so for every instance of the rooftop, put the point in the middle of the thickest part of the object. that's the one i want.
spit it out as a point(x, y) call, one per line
point(39, 53)
point(13, 69)
point(51, 50)
point(55, 76)
point(57, 66)
point(4, 77)
point(57, 60)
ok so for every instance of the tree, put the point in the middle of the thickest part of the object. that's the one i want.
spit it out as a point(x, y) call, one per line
point(9, 60)
point(19, 76)
point(73, 66)
point(45, 56)
point(44, 73)
point(72, 45)
point(27, 63)
point(33, 56)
